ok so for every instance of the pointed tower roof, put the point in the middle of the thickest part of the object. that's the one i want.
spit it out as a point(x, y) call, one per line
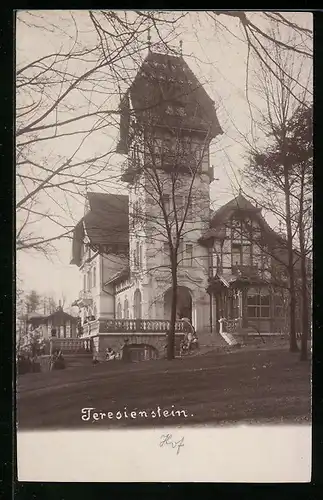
point(165, 80)
point(165, 92)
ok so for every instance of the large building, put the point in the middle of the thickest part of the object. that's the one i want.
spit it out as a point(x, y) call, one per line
point(122, 244)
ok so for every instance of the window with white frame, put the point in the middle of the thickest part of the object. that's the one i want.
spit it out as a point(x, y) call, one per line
point(258, 303)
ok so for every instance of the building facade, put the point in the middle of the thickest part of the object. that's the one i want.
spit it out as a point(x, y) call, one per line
point(124, 245)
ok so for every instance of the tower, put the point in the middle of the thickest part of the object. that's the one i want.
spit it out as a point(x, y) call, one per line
point(167, 123)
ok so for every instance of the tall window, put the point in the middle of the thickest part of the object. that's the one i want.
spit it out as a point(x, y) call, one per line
point(126, 309)
point(189, 255)
point(94, 276)
point(258, 303)
point(140, 257)
point(89, 280)
point(189, 206)
point(137, 304)
point(236, 254)
point(136, 213)
point(84, 282)
point(265, 260)
point(166, 202)
point(166, 259)
point(119, 311)
point(241, 254)
point(137, 254)
point(180, 253)
point(279, 308)
point(179, 205)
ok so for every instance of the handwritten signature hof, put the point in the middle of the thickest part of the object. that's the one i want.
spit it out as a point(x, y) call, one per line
point(167, 440)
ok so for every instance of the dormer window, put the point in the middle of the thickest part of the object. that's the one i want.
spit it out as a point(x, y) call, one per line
point(175, 110)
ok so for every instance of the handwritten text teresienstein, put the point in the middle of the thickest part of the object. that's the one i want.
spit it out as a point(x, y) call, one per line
point(94, 415)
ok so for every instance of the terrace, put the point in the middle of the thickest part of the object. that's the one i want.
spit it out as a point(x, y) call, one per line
point(127, 326)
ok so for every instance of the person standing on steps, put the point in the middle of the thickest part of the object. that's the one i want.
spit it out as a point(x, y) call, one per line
point(190, 337)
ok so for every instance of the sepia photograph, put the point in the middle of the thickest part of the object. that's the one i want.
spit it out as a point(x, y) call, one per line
point(164, 184)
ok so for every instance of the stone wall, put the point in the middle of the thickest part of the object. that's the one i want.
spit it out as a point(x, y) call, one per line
point(116, 341)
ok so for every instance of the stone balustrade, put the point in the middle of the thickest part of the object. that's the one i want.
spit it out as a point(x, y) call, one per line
point(69, 345)
point(143, 325)
point(147, 326)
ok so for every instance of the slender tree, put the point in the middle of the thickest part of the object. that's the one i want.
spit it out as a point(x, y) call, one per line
point(277, 168)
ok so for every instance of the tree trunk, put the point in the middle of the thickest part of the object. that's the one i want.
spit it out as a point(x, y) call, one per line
point(293, 347)
point(305, 315)
point(171, 331)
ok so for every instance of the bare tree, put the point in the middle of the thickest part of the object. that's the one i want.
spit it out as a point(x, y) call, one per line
point(274, 166)
point(66, 97)
point(169, 171)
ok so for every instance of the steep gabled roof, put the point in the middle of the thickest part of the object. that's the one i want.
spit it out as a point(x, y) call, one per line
point(165, 79)
point(239, 204)
point(225, 212)
point(105, 223)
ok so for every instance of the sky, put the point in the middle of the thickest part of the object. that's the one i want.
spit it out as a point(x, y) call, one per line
point(216, 56)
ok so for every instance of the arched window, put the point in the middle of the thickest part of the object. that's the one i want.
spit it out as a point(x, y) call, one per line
point(119, 311)
point(137, 304)
point(126, 309)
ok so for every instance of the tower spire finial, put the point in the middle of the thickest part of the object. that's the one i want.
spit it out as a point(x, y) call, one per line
point(181, 48)
point(149, 40)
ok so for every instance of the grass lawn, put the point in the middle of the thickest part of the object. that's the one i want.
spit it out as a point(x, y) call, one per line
point(215, 388)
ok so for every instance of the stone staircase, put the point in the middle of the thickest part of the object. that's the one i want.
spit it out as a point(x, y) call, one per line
point(213, 340)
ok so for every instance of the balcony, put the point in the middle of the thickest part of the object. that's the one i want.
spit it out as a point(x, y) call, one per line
point(85, 298)
point(247, 271)
point(85, 295)
point(129, 170)
point(91, 328)
point(131, 326)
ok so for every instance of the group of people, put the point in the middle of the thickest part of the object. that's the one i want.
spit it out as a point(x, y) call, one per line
point(190, 341)
point(111, 355)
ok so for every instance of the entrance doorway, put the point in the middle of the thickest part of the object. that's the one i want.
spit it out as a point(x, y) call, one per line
point(183, 306)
